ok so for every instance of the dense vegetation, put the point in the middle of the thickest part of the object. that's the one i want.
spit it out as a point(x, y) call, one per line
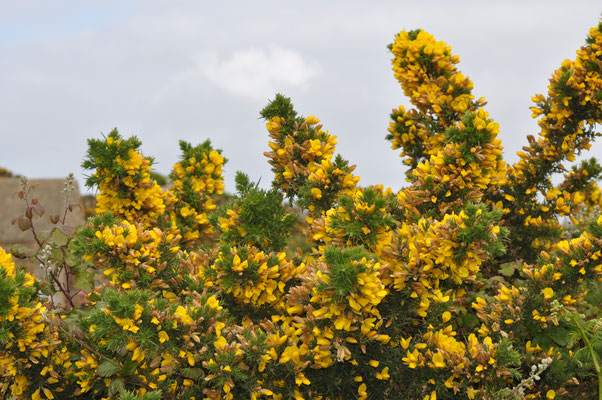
point(478, 280)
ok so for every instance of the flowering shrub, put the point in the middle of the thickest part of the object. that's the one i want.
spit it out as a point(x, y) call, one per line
point(31, 354)
point(478, 280)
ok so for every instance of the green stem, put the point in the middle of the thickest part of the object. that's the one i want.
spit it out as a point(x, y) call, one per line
point(592, 353)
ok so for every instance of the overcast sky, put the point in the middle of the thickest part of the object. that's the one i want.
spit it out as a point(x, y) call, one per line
point(192, 70)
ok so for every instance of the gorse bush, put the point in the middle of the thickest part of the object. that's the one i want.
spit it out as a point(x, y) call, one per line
point(478, 280)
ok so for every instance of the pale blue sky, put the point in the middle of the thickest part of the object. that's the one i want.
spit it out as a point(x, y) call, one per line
point(192, 70)
point(31, 21)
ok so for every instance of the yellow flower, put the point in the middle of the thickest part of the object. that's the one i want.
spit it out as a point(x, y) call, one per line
point(433, 396)
point(182, 314)
point(548, 293)
point(362, 392)
point(412, 359)
point(163, 336)
point(384, 374)
point(446, 316)
point(438, 360)
point(220, 342)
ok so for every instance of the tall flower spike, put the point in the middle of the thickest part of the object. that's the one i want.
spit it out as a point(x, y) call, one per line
point(122, 176)
point(301, 158)
point(426, 70)
point(567, 115)
point(194, 180)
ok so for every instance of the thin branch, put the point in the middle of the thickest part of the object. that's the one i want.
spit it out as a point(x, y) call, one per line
point(65, 293)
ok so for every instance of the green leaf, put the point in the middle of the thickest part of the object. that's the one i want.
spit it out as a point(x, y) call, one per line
point(44, 235)
point(57, 256)
point(508, 269)
point(73, 261)
point(155, 395)
point(22, 252)
point(559, 335)
point(193, 373)
point(59, 238)
point(85, 281)
point(129, 367)
point(108, 368)
point(117, 386)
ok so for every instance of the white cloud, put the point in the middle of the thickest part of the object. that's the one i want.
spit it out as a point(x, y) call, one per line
point(258, 73)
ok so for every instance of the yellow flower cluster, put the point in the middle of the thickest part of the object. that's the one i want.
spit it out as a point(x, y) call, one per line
point(431, 251)
point(426, 70)
point(28, 346)
point(431, 267)
point(328, 180)
point(349, 313)
point(194, 180)
point(427, 260)
point(296, 145)
point(562, 270)
point(462, 170)
point(557, 280)
point(563, 201)
point(130, 194)
point(449, 141)
point(500, 317)
point(303, 161)
point(440, 350)
point(327, 315)
point(226, 224)
point(132, 255)
point(284, 353)
point(184, 350)
point(252, 277)
point(580, 196)
point(500, 313)
point(360, 218)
